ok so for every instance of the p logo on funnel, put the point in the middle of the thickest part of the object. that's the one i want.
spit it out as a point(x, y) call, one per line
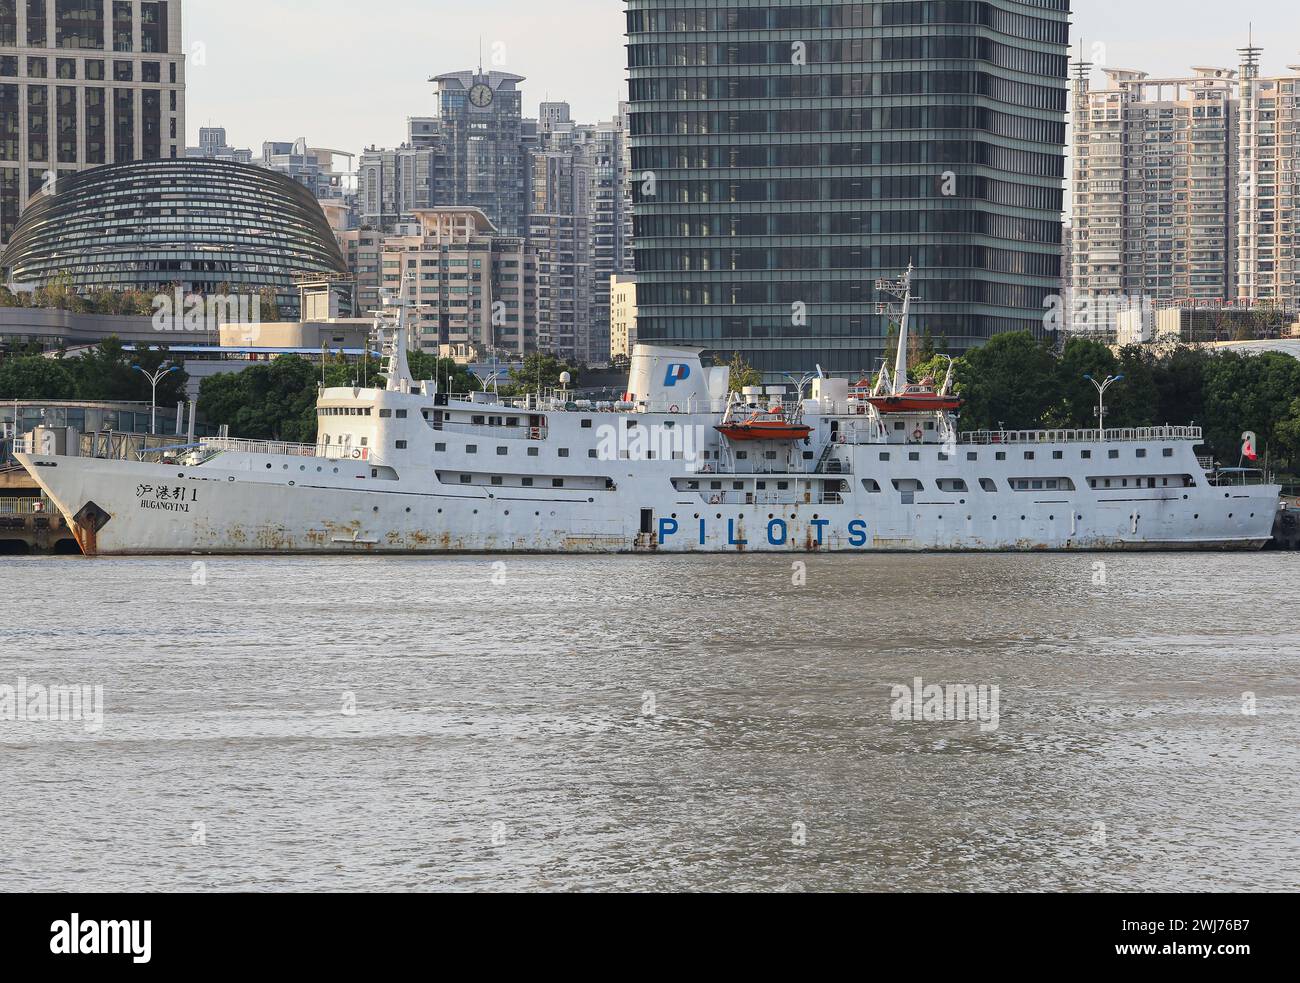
point(676, 374)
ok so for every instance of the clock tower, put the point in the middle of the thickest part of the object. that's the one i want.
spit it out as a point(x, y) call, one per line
point(483, 160)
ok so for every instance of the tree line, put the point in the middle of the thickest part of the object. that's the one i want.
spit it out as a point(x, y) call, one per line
point(60, 294)
point(104, 373)
point(1019, 383)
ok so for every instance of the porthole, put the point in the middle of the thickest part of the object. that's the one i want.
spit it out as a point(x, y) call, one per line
point(268, 467)
point(376, 510)
point(719, 515)
point(408, 511)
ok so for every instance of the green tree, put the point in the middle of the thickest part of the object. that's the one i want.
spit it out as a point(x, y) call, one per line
point(1179, 379)
point(540, 370)
point(36, 377)
point(450, 376)
point(269, 401)
point(743, 375)
point(1288, 438)
point(106, 373)
point(1076, 405)
point(1011, 380)
point(1248, 392)
point(269, 304)
point(10, 299)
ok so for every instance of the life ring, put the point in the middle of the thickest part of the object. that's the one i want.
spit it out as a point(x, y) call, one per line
point(674, 408)
point(842, 438)
point(715, 500)
point(918, 435)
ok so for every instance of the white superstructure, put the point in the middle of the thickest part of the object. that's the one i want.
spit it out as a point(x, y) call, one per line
point(409, 469)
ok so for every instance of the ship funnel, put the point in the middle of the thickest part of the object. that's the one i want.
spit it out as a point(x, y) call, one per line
point(663, 378)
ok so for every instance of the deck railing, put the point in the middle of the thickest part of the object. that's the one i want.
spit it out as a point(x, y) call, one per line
point(25, 506)
point(328, 452)
point(1128, 435)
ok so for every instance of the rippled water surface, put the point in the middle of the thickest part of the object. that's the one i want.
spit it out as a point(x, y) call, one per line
point(654, 724)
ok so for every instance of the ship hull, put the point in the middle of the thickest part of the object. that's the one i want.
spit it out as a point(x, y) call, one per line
point(243, 504)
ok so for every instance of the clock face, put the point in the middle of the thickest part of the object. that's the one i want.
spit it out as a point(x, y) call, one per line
point(481, 96)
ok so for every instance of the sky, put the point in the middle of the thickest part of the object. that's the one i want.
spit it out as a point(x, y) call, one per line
point(346, 74)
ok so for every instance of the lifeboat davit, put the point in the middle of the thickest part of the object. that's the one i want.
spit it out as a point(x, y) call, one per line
point(760, 427)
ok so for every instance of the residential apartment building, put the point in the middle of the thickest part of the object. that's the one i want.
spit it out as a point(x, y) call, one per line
point(575, 210)
point(363, 250)
point(1268, 193)
point(476, 288)
point(559, 230)
point(85, 83)
point(1154, 190)
point(482, 158)
point(392, 185)
point(622, 316)
point(579, 224)
point(213, 145)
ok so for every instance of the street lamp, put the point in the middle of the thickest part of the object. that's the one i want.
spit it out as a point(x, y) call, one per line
point(154, 379)
point(1101, 399)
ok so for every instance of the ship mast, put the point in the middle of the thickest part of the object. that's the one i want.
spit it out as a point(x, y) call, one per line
point(397, 342)
point(902, 290)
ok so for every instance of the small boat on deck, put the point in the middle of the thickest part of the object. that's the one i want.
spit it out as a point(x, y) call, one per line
point(923, 398)
point(765, 426)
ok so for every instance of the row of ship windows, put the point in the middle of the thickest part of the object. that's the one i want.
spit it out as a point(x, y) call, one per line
point(1085, 455)
point(959, 485)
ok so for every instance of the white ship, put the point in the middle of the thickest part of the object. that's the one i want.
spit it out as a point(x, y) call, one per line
point(678, 466)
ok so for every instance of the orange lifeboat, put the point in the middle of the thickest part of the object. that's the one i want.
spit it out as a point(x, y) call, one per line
point(917, 399)
point(761, 426)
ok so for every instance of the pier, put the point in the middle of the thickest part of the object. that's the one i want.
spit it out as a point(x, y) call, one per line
point(29, 524)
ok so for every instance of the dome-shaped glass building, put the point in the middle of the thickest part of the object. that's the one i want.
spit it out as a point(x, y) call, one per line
point(204, 226)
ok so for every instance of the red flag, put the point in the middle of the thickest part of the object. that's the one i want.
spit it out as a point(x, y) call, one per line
point(1248, 442)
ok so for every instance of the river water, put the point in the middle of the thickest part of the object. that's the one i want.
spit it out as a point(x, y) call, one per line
point(669, 723)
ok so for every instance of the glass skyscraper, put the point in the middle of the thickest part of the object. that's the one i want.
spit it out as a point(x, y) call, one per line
point(787, 153)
